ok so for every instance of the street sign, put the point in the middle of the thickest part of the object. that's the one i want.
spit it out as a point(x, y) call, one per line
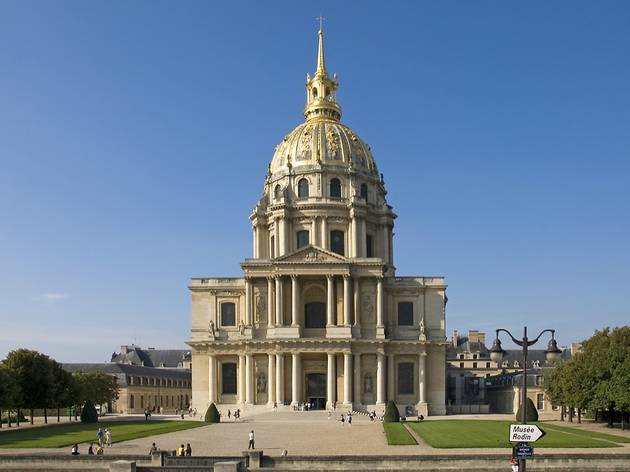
point(523, 451)
point(525, 433)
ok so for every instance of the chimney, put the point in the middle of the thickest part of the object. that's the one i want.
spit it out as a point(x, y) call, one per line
point(455, 338)
point(123, 349)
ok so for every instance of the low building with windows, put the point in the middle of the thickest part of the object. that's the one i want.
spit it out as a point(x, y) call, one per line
point(320, 315)
point(151, 357)
point(504, 392)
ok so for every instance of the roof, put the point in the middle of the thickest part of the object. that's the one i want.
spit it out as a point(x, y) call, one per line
point(466, 346)
point(164, 358)
point(123, 371)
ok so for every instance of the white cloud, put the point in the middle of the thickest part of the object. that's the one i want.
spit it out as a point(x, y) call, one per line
point(54, 296)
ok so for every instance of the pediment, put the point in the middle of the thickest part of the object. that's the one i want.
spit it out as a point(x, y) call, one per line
point(312, 254)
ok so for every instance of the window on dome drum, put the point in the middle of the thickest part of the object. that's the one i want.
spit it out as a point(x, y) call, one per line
point(303, 188)
point(228, 378)
point(364, 192)
point(405, 314)
point(228, 314)
point(277, 193)
point(315, 315)
point(302, 239)
point(369, 246)
point(335, 188)
point(337, 242)
point(405, 378)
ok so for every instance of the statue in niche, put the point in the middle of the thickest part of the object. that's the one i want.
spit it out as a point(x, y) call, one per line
point(261, 307)
point(367, 383)
point(423, 333)
point(212, 329)
point(261, 383)
point(241, 328)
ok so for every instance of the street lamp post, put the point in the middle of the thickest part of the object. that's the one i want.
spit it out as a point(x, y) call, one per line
point(552, 353)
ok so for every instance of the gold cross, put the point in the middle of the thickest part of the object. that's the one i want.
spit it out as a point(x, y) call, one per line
point(321, 22)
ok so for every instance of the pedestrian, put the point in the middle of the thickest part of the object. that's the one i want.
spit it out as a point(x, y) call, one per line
point(75, 450)
point(275, 405)
point(91, 449)
point(99, 436)
point(153, 449)
point(251, 440)
point(421, 417)
point(146, 415)
point(188, 450)
point(181, 451)
point(329, 414)
point(343, 420)
point(229, 414)
point(182, 415)
point(514, 464)
point(108, 438)
point(349, 419)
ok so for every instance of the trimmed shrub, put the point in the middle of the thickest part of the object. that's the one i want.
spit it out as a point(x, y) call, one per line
point(212, 414)
point(531, 414)
point(88, 413)
point(391, 413)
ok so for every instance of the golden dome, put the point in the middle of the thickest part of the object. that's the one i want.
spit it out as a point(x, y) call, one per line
point(323, 142)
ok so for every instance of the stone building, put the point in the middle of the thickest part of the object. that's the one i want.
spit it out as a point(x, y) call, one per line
point(320, 315)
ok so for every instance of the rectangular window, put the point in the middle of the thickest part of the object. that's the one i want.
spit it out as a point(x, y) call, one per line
point(337, 243)
point(228, 314)
point(540, 401)
point(461, 356)
point(228, 378)
point(405, 378)
point(405, 314)
point(474, 365)
point(487, 365)
point(302, 239)
point(461, 365)
point(369, 246)
point(474, 356)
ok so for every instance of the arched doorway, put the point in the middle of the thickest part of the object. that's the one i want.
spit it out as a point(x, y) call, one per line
point(316, 390)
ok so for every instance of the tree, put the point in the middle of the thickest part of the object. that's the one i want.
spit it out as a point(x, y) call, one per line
point(32, 372)
point(531, 414)
point(9, 393)
point(391, 413)
point(88, 413)
point(65, 389)
point(97, 387)
point(212, 414)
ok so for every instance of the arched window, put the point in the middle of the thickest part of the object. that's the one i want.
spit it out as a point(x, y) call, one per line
point(303, 188)
point(335, 188)
point(277, 193)
point(228, 314)
point(315, 315)
point(364, 192)
point(302, 239)
point(337, 242)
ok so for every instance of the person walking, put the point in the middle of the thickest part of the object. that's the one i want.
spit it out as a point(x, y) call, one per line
point(75, 450)
point(251, 440)
point(181, 451)
point(343, 420)
point(188, 450)
point(91, 449)
point(99, 437)
point(229, 414)
point(514, 464)
point(349, 419)
point(108, 437)
point(153, 449)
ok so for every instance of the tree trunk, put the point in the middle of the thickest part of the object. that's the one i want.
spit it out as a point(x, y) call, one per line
point(45, 416)
point(58, 419)
point(32, 413)
point(623, 421)
point(562, 412)
point(579, 415)
point(596, 414)
point(17, 418)
point(9, 417)
point(76, 408)
point(0, 417)
point(570, 414)
point(611, 414)
point(69, 413)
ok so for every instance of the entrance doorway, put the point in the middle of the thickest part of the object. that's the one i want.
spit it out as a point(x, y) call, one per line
point(316, 390)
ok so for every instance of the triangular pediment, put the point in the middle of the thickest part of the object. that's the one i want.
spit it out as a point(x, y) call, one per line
point(312, 254)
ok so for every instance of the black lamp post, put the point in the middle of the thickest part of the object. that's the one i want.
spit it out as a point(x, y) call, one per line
point(552, 353)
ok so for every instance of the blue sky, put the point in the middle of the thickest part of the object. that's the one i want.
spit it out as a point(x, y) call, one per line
point(134, 138)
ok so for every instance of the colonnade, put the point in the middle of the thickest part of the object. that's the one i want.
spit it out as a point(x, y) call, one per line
point(352, 387)
point(351, 301)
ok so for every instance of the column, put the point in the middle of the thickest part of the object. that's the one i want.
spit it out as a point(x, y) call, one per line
point(331, 380)
point(255, 242)
point(271, 379)
point(347, 300)
point(354, 242)
point(282, 236)
point(249, 378)
point(296, 379)
point(276, 242)
point(357, 303)
point(347, 378)
point(212, 378)
point(391, 365)
point(313, 239)
point(379, 302)
point(278, 301)
point(380, 378)
point(280, 378)
point(295, 300)
point(241, 379)
point(422, 385)
point(270, 294)
point(362, 238)
point(357, 378)
point(248, 301)
point(385, 244)
point(324, 241)
point(330, 301)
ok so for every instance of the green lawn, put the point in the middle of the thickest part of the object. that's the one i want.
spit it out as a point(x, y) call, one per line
point(397, 435)
point(592, 434)
point(489, 433)
point(67, 434)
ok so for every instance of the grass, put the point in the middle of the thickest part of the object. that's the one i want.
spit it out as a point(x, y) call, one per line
point(488, 433)
point(397, 435)
point(592, 434)
point(67, 434)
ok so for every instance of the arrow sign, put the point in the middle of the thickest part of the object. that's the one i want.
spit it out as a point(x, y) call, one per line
point(525, 433)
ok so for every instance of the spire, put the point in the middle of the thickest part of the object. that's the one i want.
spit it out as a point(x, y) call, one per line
point(321, 90)
point(321, 65)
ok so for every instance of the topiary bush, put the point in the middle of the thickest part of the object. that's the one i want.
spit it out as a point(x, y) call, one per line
point(88, 413)
point(212, 414)
point(391, 413)
point(531, 414)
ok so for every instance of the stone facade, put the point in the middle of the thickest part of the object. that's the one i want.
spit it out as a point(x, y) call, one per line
point(320, 315)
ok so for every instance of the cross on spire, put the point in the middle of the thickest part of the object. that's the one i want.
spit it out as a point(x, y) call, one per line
point(321, 22)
